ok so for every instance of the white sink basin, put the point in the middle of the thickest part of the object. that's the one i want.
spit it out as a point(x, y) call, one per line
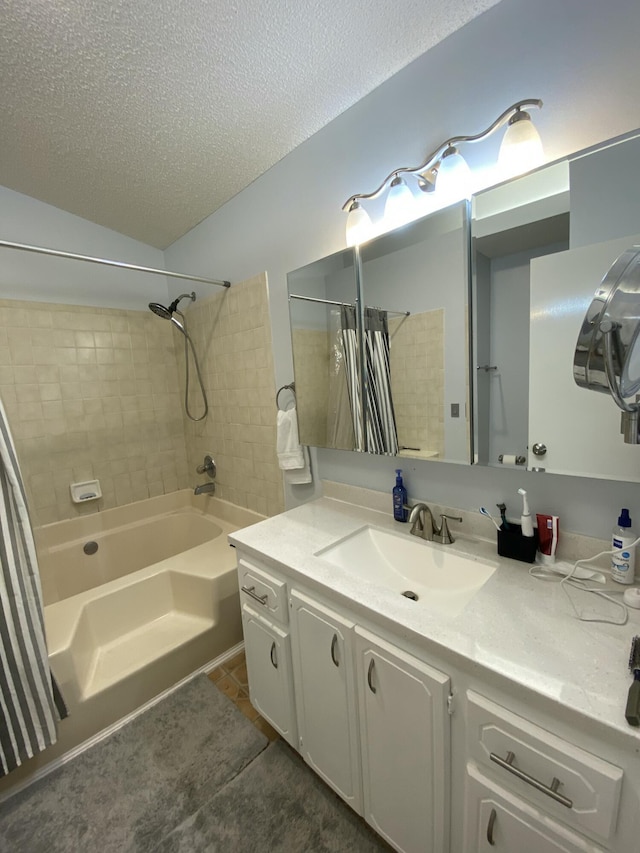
point(434, 574)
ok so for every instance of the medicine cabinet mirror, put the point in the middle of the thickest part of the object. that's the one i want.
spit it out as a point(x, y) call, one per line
point(539, 246)
point(380, 343)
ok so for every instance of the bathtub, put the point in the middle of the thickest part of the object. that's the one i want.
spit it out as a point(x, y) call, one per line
point(136, 598)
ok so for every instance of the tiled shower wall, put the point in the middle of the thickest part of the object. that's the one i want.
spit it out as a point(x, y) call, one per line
point(98, 393)
point(232, 336)
point(90, 393)
point(417, 379)
point(311, 361)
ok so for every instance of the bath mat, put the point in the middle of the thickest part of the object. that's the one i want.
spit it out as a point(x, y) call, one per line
point(276, 805)
point(131, 790)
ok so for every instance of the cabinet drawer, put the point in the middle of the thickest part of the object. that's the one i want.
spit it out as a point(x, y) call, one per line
point(496, 821)
point(571, 784)
point(266, 593)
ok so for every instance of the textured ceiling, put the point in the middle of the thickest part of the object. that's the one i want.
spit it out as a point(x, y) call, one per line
point(147, 115)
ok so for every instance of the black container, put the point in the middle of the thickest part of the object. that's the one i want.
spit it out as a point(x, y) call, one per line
point(511, 543)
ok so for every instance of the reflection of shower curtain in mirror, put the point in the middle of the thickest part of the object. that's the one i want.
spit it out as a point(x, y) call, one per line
point(339, 422)
point(381, 434)
point(349, 334)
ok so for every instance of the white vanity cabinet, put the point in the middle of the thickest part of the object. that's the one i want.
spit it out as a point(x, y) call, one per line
point(404, 736)
point(325, 695)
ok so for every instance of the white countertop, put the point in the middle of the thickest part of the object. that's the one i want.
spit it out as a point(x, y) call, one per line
point(519, 627)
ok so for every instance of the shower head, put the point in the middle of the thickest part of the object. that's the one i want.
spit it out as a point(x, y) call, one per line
point(167, 312)
point(160, 310)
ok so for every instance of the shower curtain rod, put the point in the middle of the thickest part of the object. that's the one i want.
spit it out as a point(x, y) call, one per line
point(41, 250)
point(333, 302)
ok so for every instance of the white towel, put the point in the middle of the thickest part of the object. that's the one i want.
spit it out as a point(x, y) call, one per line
point(297, 476)
point(293, 458)
point(288, 446)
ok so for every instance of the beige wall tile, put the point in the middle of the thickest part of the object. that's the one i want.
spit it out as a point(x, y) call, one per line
point(417, 379)
point(98, 393)
point(232, 335)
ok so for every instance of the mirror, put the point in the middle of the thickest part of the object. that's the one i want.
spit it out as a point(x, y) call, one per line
point(420, 274)
point(541, 245)
point(380, 343)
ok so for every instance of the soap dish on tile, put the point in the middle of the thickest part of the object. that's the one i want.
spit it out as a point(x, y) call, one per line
point(88, 491)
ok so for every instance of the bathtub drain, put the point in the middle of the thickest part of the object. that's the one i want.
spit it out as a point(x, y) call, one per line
point(90, 548)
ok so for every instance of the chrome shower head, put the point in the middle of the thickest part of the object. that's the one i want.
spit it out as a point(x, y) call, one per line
point(167, 312)
point(160, 310)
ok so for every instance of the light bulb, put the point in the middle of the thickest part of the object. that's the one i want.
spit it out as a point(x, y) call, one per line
point(359, 225)
point(400, 206)
point(521, 147)
point(454, 177)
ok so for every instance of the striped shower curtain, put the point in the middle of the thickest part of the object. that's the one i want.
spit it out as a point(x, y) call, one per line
point(382, 435)
point(30, 702)
point(350, 347)
point(379, 433)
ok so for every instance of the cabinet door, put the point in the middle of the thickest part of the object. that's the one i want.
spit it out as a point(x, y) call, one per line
point(325, 696)
point(268, 655)
point(405, 742)
point(498, 822)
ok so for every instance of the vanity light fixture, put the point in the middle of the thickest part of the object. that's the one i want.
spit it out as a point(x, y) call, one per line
point(446, 173)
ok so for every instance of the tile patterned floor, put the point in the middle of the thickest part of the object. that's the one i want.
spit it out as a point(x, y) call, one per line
point(231, 679)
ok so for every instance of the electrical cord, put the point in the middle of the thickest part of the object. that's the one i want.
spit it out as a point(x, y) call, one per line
point(540, 573)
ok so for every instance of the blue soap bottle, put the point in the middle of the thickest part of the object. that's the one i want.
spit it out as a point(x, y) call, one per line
point(399, 498)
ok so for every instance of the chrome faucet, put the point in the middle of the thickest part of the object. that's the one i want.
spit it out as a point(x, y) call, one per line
point(205, 489)
point(423, 524)
point(208, 467)
point(421, 521)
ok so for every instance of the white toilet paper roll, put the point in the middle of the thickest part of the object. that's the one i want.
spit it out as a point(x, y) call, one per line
point(508, 458)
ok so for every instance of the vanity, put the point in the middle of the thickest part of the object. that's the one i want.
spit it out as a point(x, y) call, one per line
point(476, 715)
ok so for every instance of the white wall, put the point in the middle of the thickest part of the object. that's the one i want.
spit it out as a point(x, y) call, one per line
point(37, 277)
point(292, 214)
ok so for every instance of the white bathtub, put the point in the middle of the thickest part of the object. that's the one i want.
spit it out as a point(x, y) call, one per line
point(156, 601)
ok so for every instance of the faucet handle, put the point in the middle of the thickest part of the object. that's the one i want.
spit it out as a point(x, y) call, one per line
point(444, 534)
point(208, 467)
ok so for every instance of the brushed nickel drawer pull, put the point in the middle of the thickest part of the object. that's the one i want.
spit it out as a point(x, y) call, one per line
point(251, 590)
point(369, 674)
point(272, 655)
point(550, 790)
point(490, 825)
point(334, 643)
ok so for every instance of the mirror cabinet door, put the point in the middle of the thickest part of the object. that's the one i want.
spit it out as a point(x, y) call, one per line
point(541, 245)
point(417, 279)
point(511, 226)
point(380, 340)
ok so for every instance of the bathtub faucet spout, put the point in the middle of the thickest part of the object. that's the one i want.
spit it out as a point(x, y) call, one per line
point(205, 489)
